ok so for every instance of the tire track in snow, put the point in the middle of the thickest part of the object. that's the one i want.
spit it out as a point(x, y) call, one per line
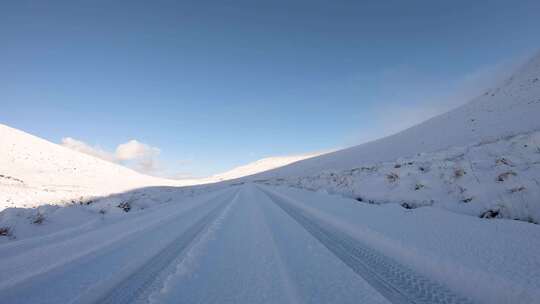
point(396, 282)
point(139, 285)
point(187, 262)
point(288, 285)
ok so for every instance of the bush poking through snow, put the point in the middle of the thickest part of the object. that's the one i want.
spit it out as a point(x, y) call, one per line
point(392, 177)
point(504, 176)
point(406, 205)
point(5, 231)
point(459, 172)
point(531, 220)
point(418, 186)
point(503, 161)
point(467, 200)
point(124, 206)
point(86, 203)
point(39, 218)
point(490, 214)
point(369, 201)
point(517, 189)
point(369, 169)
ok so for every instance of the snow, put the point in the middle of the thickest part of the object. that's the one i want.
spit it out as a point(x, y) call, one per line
point(493, 179)
point(386, 221)
point(35, 172)
point(264, 264)
point(490, 261)
point(510, 109)
point(483, 132)
point(260, 165)
point(481, 159)
point(246, 249)
point(99, 253)
point(22, 222)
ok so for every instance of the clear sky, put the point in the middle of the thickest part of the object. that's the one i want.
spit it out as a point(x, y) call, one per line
point(216, 84)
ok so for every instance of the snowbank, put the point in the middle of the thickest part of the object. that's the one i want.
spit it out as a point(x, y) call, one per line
point(499, 179)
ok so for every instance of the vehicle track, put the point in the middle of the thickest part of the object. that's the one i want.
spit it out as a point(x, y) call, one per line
point(396, 282)
point(136, 287)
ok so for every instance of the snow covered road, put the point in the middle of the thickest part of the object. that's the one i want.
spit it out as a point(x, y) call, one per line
point(259, 244)
point(396, 282)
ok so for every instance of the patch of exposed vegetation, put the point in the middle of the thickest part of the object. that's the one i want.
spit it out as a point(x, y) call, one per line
point(5, 231)
point(392, 177)
point(505, 175)
point(126, 206)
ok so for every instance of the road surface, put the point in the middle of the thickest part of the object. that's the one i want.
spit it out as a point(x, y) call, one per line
point(247, 244)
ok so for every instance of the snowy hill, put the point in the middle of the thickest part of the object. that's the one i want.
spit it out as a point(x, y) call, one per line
point(34, 171)
point(511, 108)
point(260, 165)
point(393, 169)
point(482, 158)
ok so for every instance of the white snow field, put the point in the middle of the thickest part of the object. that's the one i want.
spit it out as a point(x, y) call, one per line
point(261, 244)
point(418, 217)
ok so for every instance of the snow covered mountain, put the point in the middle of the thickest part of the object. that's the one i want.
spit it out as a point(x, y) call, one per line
point(510, 109)
point(481, 159)
point(34, 172)
point(260, 165)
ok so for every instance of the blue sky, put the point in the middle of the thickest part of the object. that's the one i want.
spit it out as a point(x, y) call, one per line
point(216, 84)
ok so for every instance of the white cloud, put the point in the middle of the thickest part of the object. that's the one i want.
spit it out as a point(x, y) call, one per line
point(144, 156)
point(133, 154)
point(134, 149)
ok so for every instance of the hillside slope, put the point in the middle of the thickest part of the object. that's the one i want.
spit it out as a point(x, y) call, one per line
point(511, 108)
point(34, 171)
point(481, 159)
point(260, 165)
